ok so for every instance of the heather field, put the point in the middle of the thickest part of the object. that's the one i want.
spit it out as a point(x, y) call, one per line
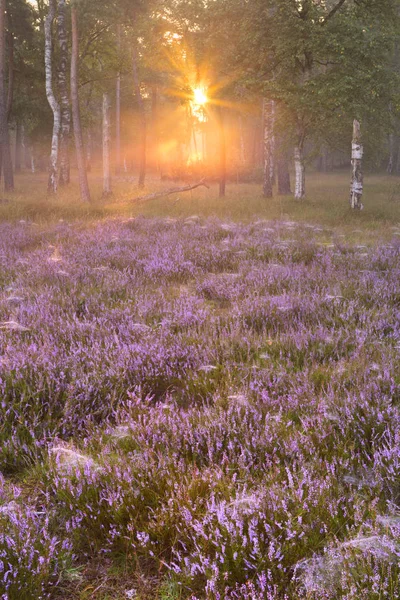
point(200, 407)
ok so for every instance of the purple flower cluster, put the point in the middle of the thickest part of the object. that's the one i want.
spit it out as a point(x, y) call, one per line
point(217, 402)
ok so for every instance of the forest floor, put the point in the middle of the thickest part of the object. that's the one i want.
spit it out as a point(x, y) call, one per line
point(326, 202)
point(200, 398)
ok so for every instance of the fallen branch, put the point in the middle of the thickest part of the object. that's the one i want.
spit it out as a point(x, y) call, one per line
point(175, 190)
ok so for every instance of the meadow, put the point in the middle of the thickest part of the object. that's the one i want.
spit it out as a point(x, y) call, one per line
point(200, 397)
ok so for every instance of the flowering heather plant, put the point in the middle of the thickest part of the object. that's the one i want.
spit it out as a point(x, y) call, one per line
point(31, 557)
point(216, 403)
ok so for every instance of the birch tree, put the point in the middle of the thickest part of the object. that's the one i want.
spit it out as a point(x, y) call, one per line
point(356, 188)
point(54, 105)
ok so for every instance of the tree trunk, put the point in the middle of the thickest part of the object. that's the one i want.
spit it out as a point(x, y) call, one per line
point(10, 91)
point(106, 146)
point(268, 149)
point(63, 87)
point(390, 166)
point(53, 165)
point(76, 116)
point(143, 128)
point(89, 148)
point(300, 186)
point(4, 135)
point(118, 111)
point(242, 145)
point(356, 188)
point(282, 165)
point(154, 114)
point(273, 144)
point(222, 153)
point(18, 146)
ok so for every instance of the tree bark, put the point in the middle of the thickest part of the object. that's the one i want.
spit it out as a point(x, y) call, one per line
point(282, 167)
point(300, 186)
point(18, 146)
point(390, 166)
point(5, 153)
point(53, 164)
point(273, 144)
point(222, 153)
point(10, 91)
point(356, 188)
point(106, 146)
point(63, 87)
point(242, 145)
point(143, 127)
point(154, 114)
point(118, 111)
point(76, 116)
point(268, 148)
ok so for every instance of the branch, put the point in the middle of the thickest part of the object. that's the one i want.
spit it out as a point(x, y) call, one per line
point(160, 194)
point(334, 10)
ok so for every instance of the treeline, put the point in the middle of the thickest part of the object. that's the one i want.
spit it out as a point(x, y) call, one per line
point(113, 82)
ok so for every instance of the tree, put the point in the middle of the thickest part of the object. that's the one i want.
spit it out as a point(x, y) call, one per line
point(63, 89)
point(356, 189)
point(4, 135)
point(54, 105)
point(80, 156)
point(106, 146)
point(319, 61)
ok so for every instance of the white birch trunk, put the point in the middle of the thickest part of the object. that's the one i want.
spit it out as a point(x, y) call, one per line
point(53, 166)
point(356, 188)
point(268, 134)
point(106, 146)
point(300, 185)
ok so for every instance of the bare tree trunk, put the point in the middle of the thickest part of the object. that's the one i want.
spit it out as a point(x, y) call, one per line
point(268, 161)
point(18, 146)
point(4, 135)
point(242, 145)
point(222, 153)
point(282, 167)
point(390, 166)
point(63, 87)
point(154, 113)
point(106, 146)
point(143, 127)
point(300, 185)
point(80, 156)
point(356, 188)
point(273, 144)
point(10, 91)
point(89, 145)
point(53, 165)
point(118, 111)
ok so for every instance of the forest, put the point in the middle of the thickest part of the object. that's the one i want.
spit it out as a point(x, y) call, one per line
point(199, 299)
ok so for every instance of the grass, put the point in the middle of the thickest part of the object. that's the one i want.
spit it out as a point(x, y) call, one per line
point(326, 203)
